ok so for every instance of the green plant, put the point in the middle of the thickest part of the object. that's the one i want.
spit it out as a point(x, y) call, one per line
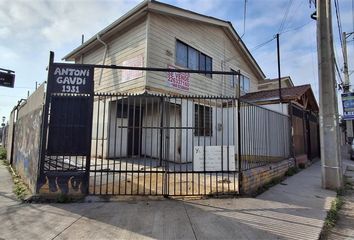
point(291, 171)
point(64, 198)
point(302, 165)
point(268, 185)
point(2, 153)
point(20, 189)
point(332, 216)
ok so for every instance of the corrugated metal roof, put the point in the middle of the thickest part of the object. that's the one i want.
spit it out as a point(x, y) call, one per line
point(290, 93)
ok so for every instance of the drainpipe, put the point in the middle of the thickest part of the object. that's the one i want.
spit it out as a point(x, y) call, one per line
point(104, 56)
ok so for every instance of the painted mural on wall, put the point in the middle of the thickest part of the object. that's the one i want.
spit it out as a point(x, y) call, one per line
point(26, 147)
point(62, 183)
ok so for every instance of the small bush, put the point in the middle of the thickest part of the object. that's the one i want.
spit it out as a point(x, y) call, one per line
point(291, 171)
point(64, 198)
point(332, 216)
point(2, 153)
point(302, 165)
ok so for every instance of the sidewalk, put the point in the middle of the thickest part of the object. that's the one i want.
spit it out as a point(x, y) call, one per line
point(294, 209)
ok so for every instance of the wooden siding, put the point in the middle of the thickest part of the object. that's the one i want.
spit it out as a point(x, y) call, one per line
point(125, 45)
point(208, 39)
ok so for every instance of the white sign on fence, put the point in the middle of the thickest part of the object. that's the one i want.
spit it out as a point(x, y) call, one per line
point(213, 158)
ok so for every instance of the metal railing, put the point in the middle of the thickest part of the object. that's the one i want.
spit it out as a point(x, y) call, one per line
point(265, 136)
point(180, 145)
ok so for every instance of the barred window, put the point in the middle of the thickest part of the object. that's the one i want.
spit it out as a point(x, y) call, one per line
point(203, 120)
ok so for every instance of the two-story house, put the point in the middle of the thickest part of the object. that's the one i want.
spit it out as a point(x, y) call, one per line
point(155, 34)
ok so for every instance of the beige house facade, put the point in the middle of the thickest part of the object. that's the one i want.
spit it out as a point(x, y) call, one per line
point(155, 34)
point(158, 35)
point(271, 84)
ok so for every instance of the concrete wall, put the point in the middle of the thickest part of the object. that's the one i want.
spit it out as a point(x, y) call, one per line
point(27, 138)
point(10, 130)
point(254, 178)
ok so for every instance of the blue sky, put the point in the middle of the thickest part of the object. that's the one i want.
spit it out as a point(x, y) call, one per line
point(30, 29)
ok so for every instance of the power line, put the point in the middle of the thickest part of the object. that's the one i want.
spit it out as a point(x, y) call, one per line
point(294, 13)
point(339, 22)
point(282, 24)
point(298, 27)
point(244, 18)
point(262, 44)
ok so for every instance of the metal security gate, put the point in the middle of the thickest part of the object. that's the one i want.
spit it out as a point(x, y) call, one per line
point(66, 129)
point(147, 144)
point(163, 145)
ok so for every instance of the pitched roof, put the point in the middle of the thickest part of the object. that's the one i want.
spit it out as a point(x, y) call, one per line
point(290, 93)
point(163, 8)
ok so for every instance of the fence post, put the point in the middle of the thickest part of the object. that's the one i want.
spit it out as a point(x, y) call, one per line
point(44, 126)
point(239, 145)
point(290, 110)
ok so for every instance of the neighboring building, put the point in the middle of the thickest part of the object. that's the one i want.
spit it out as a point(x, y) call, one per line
point(155, 34)
point(300, 103)
point(270, 84)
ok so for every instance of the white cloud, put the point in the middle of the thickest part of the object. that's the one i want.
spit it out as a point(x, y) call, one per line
point(30, 28)
point(58, 22)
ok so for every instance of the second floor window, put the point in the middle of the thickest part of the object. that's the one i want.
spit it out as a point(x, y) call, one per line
point(189, 57)
point(245, 84)
point(233, 79)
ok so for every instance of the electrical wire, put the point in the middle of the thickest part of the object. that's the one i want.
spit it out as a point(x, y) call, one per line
point(294, 13)
point(244, 18)
point(353, 19)
point(298, 27)
point(339, 22)
point(282, 24)
point(262, 44)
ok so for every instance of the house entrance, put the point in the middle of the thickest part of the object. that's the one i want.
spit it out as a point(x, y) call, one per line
point(134, 131)
point(151, 144)
point(163, 145)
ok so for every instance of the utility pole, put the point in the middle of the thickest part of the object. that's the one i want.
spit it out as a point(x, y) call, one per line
point(279, 75)
point(329, 125)
point(349, 123)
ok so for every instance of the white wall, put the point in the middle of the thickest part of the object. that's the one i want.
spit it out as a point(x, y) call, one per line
point(260, 130)
point(278, 107)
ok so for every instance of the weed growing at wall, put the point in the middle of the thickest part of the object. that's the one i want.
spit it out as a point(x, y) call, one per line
point(2, 153)
point(291, 171)
point(20, 188)
point(332, 216)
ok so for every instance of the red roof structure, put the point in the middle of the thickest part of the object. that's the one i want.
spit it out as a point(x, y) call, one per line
point(302, 95)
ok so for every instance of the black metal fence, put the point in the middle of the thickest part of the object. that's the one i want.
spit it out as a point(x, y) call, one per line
point(265, 136)
point(163, 145)
point(107, 143)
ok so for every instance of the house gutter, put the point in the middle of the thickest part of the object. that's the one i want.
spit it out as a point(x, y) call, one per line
point(104, 56)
